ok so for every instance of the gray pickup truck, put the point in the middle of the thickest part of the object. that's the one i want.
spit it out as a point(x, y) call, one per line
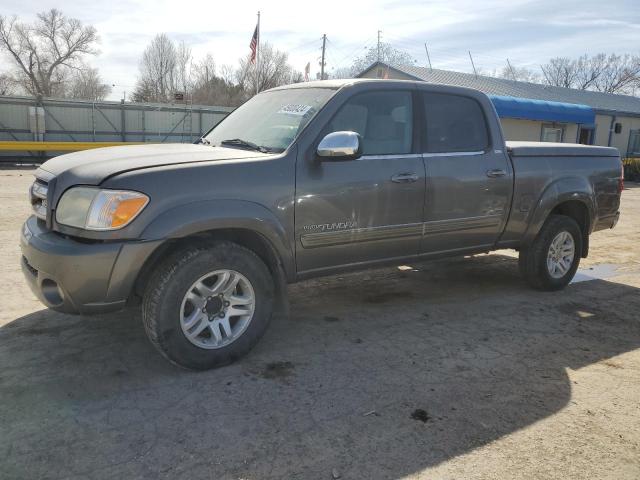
point(303, 181)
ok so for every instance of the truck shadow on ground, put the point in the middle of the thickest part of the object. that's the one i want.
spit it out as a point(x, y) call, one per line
point(376, 375)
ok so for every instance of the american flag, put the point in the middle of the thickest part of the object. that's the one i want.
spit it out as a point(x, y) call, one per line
point(254, 45)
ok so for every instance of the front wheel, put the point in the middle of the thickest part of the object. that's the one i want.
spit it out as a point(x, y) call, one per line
point(552, 259)
point(206, 307)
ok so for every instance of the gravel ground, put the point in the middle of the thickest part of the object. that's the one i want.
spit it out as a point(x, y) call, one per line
point(450, 369)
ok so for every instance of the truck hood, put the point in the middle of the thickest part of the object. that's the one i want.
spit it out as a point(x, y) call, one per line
point(91, 167)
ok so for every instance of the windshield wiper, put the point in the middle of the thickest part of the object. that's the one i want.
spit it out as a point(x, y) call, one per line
point(203, 141)
point(238, 142)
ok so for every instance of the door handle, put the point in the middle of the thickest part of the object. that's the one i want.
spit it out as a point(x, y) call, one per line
point(405, 178)
point(495, 173)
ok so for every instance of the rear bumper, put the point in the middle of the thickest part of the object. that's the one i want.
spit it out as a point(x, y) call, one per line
point(615, 219)
point(604, 223)
point(77, 277)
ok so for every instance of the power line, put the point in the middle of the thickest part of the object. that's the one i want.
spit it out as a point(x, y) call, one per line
point(352, 54)
point(412, 46)
point(304, 44)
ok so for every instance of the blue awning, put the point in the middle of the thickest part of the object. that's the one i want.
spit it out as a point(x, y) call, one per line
point(530, 109)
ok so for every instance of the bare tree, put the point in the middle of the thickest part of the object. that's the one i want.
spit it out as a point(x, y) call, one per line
point(183, 67)
point(560, 72)
point(217, 91)
point(486, 72)
point(86, 84)
point(228, 73)
point(298, 77)
point(587, 71)
point(158, 79)
point(209, 88)
point(343, 72)
point(620, 74)
point(386, 53)
point(605, 73)
point(204, 70)
point(146, 91)
point(520, 74)
point(274, 70)
point(45, 52)
point(6, 84)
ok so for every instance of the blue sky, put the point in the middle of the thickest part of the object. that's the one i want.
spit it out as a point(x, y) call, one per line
point(527, 32)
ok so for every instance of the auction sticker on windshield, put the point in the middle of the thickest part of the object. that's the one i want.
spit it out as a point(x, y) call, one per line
point(295, 109)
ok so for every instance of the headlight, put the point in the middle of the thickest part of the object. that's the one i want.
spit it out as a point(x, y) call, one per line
point(96, 209)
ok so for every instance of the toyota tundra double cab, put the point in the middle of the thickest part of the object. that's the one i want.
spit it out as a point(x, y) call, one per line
point(302, 181)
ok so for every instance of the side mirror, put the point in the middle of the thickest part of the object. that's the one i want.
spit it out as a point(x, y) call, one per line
point(340, 146)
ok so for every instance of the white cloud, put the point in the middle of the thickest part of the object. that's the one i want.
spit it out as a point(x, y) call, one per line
point(526, 31)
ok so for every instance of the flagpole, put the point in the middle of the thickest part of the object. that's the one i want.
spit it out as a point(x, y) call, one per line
point(258, 57)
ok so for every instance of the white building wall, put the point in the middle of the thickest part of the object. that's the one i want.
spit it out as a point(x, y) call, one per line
point(618, 140)
point(603, 122)
point(621, 140)
point(523, 130)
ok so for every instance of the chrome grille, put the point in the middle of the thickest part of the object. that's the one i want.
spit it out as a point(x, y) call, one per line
point(38, 197)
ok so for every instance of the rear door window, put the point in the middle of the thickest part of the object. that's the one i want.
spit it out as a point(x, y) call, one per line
point(453, 123)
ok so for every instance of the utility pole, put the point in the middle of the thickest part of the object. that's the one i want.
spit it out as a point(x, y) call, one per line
point(324, 47)
point(428, 58)
point(472, 64)
point(379, 33)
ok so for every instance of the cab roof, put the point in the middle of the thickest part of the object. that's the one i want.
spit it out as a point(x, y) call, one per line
point(339, 83)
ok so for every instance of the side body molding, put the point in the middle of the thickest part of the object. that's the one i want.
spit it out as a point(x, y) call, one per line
point(562, 190)
point(202, 216)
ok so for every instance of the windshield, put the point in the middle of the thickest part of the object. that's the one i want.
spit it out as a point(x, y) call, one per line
point(270, 121)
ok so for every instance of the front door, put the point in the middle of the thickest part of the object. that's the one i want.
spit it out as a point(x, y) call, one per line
point(469, 182)
point(357, 211)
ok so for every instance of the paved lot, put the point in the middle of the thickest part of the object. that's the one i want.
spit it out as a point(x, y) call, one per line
point(453, 369)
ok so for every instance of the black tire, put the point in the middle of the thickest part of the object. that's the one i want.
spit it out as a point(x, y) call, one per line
point(533, 259)
point(168, 285)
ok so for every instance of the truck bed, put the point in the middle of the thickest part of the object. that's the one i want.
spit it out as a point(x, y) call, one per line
point(546, 174)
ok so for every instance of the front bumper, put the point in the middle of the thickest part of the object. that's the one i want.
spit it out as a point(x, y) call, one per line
point(79, 277)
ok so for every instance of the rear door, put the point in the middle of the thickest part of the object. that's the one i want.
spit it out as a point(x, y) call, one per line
point(368, 209)
point(469, 177)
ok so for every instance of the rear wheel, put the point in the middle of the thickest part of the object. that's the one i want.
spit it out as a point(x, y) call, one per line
point(552, 259)
point(206, 307)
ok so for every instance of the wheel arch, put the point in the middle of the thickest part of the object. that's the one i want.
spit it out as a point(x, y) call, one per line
point(248, 224)
point(578, 211)
point(573, 197)
point(244, 237)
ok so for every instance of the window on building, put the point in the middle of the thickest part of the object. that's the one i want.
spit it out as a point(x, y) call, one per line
point(552, 133)
point(384, 120)
point(634, 143)
point(585, 137)
point(454, 124)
